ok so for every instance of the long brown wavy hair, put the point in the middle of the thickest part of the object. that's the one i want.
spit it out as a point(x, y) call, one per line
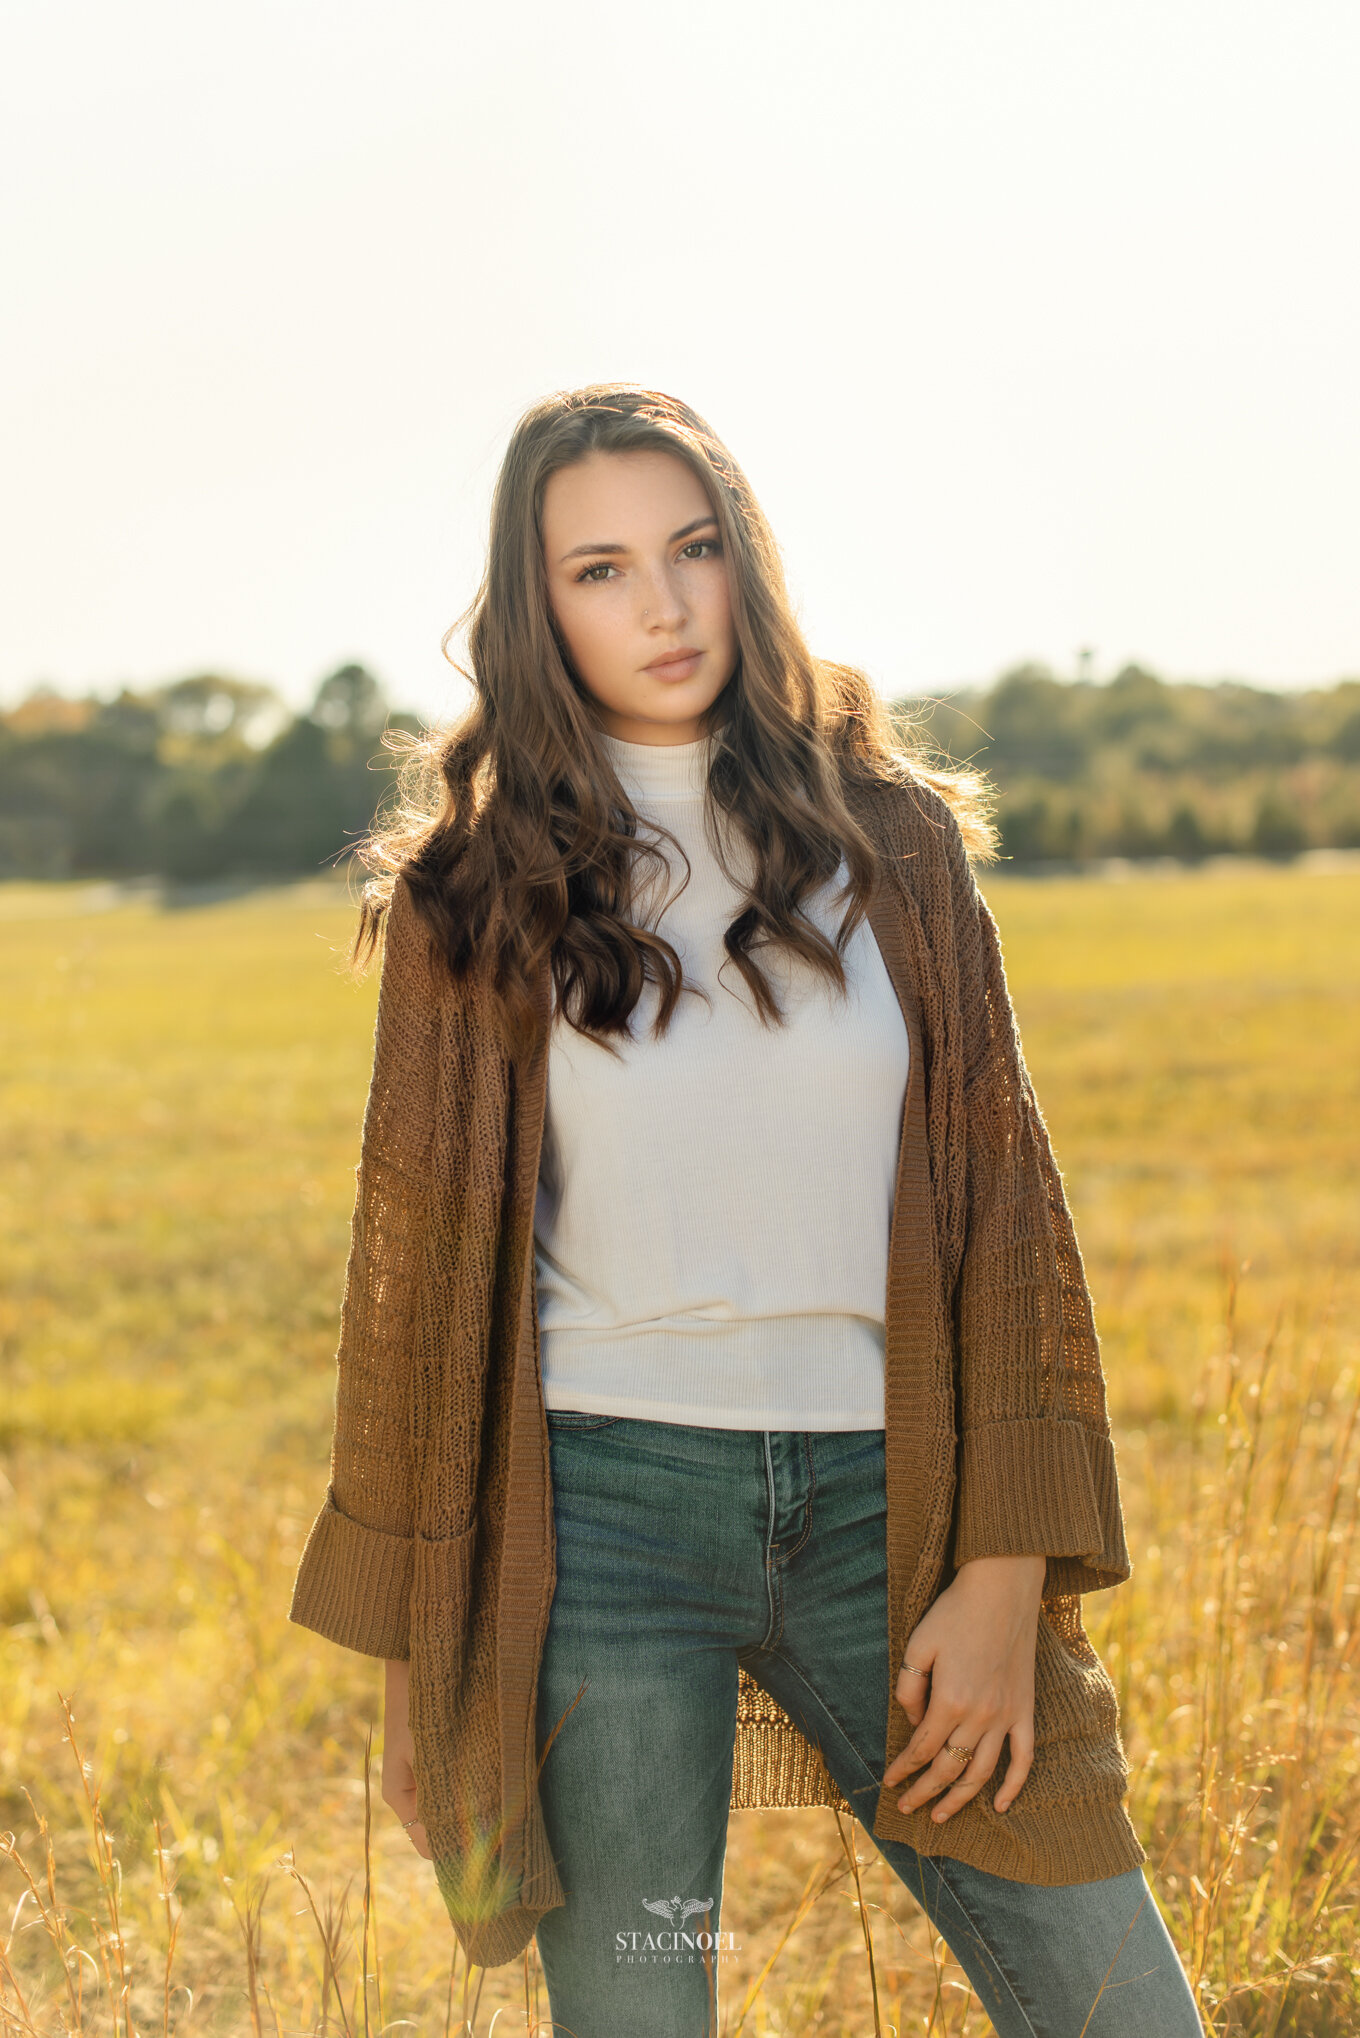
point(512, 828)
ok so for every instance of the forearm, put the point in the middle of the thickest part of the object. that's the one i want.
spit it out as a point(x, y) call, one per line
point(398, 1772)
point(1019, 1574)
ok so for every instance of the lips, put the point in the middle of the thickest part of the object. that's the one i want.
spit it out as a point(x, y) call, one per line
point(674, 664)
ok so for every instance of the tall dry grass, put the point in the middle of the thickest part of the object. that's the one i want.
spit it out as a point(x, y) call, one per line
point(196, 1844)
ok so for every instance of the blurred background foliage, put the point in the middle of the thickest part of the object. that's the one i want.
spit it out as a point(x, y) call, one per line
point(1139, 766)
point(206, 778)
point(213, 777)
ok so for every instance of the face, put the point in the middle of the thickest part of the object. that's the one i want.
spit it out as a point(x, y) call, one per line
point(638, 586)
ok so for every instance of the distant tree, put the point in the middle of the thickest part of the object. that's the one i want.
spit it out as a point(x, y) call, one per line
point(1034, 723)
point(1134, 696)
point(1025, 830)
point(315, 788)
point(45, 710)
point(209, 706)
point(287, 820)
point(1133, 833)
point(350, 702)
point(110, 768)
point(187, 835)
point(1185, 836)
point(1278, 829)
point(1346, 741)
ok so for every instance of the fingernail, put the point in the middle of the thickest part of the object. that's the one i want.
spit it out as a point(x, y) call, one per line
point(902, 1805)
point(939, 1817)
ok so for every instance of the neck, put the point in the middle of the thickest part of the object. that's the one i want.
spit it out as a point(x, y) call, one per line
point(659, 770)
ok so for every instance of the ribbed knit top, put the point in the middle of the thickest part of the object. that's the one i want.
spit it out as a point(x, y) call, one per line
point(713, 1209)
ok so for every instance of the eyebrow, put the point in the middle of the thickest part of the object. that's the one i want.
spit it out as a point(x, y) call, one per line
point(580, 551)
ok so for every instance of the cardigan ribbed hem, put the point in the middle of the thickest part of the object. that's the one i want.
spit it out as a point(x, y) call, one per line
point(501, 1938)
point(353, 1585)
point(1092, 1842)
point(1111, 1565)
point(1042, 1488)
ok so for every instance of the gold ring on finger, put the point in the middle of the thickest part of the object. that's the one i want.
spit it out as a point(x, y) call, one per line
point(964, 1755)
point(912, 1670)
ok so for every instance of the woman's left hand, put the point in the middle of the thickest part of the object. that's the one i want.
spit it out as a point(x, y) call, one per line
point(975, 1652)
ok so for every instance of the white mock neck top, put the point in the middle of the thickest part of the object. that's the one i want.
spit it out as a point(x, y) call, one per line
point(713, 1208)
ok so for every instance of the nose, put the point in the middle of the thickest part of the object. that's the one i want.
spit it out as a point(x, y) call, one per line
point(663, 605)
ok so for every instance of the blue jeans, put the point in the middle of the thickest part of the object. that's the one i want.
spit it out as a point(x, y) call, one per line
point(683, 1552)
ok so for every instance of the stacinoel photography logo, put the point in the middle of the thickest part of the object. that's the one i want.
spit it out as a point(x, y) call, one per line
point(685, 1938)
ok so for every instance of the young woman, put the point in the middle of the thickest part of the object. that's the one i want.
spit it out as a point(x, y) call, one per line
point(720, 1418)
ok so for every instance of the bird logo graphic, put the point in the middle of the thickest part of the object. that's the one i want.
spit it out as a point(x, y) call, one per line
point(675, 1909)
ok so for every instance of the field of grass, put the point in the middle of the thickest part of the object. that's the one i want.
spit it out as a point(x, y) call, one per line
point(181, 1099)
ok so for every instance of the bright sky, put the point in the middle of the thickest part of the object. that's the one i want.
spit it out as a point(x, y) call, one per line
point(1034, 325)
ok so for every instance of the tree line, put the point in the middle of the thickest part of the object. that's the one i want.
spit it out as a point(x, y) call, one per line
point(205, 778)
point(1138, 766)
point(211, 777)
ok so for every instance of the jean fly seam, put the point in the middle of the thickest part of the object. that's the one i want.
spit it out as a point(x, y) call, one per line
point(795, 1547)
point(806, 1530)
point(774, 1590)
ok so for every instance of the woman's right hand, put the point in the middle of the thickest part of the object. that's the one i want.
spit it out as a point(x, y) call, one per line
point(398, 1774)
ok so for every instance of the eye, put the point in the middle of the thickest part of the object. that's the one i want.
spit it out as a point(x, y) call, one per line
point(698, 546)
point(589, 573)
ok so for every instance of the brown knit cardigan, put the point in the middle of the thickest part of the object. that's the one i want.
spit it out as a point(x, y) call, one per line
point(435, 1540)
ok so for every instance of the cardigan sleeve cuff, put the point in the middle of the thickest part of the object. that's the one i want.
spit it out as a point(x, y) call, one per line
point(1042, 1488)
point(353, 1585)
